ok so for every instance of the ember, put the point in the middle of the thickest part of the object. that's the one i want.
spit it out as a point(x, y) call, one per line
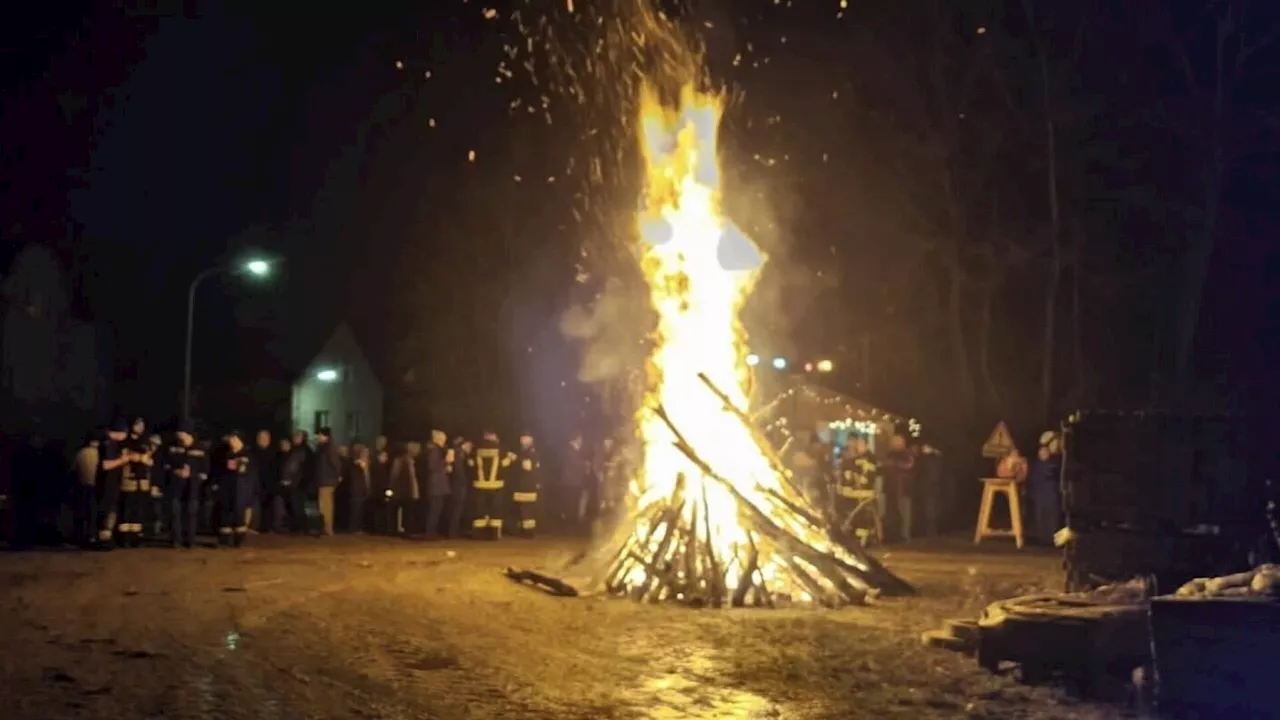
point(717, 518)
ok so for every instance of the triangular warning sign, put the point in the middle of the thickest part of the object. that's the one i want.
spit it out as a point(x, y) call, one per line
point(1000, 443)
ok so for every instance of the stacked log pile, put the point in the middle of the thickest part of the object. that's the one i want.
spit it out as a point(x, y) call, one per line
point(786, 553)
point(1262, 581)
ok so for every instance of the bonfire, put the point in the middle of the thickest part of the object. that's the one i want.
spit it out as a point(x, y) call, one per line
point(717, 520)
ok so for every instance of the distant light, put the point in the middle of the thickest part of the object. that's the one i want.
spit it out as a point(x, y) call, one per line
point(808, 367)
point(753, 360)
point(825, 366)
point(327, 375)
point(258, 267)
point(982, 30)
point(780, 363)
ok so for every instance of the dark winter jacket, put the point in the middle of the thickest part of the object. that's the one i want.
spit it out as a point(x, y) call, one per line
point(436, 479)
point(328, 465)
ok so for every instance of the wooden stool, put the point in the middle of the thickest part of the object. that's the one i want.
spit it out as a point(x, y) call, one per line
point(990, 488)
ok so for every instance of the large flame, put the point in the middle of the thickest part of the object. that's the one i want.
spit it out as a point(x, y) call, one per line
point(697, 301)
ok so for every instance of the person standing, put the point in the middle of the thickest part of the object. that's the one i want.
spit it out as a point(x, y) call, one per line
point(342, 491)
point(359, 487)
point(528, 483)
point(327, 473)
point(84, 472)
point(293, 481)
point(273, 517)
point(183, 463)
point(436, 483)
point(1045, 489)
point(459, 480)
point(112, 462)
point(135, 488)
point(577, 483)
point(898, 468)
point(928, 487)
point(229, 470)
point(404, 487)
point(489, 464)
point(377, 507)
point(262, 479)
point(154, 509)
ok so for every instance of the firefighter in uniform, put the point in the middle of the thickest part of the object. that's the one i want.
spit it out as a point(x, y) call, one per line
point(489, 462)
point(186, 466)
point(135, 487)
point(857, 498)
point(527, 483)
point(112, 461)
point(228, 467)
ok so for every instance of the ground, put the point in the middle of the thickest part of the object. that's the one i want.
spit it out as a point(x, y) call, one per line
point(357, 627)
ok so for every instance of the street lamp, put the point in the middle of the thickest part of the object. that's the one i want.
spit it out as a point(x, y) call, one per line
point(825, 366)
point(257, 267)
point(753, 360)
point(780, 363)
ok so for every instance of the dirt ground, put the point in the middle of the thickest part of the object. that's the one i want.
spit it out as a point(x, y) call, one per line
point(356, 627)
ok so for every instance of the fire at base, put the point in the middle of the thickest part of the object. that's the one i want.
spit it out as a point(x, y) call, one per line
point(717, 518)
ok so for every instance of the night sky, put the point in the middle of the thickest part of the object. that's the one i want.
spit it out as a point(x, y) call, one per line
point(439, 174)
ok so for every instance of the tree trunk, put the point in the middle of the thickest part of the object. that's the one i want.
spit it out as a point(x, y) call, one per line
point(1202, 240)
point(985, 337)
point(1081, 389)
point(959, 345)
point(1047, 349)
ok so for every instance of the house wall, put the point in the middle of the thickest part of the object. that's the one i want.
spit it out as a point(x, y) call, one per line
point(353, 404)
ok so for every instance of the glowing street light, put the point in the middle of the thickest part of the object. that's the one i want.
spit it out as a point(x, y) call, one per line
point(257, 267)
point(779, 363)
point(327, 375)
point(753, 360)
point(825, 366)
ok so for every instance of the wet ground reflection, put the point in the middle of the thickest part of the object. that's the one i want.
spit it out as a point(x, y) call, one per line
point(692, 690)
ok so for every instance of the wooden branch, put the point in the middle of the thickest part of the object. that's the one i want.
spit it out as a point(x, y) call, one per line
point(761, 441)
point(745, 579)
point(715, 581)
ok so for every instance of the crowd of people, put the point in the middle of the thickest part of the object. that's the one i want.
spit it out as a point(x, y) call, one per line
point(131, 487)
point(901, 493)
point(870, 494)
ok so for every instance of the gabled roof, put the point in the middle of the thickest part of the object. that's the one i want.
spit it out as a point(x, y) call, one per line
point(341, 343)
point(827, 402)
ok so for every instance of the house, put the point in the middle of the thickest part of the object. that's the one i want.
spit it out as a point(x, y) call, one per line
point(340, 390)
point(54, 368)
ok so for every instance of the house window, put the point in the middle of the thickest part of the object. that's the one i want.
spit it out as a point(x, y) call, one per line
point(353, 425)
point(322, 420)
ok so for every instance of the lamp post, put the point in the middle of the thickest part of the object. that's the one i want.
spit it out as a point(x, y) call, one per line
point(260, 268)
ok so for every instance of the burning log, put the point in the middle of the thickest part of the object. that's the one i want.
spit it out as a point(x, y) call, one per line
point(780, 550)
